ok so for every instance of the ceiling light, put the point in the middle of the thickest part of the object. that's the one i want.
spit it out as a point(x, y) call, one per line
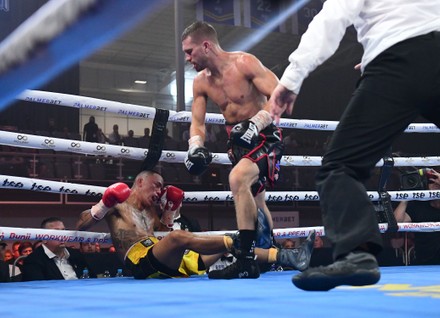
point(140, 82)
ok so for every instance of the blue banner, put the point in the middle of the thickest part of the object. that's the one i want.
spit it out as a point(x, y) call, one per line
point(219, 11)
point(260, 12)
point(307, 13)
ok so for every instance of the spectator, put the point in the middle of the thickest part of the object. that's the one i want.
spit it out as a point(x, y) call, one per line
point(37, 244)
point(16, 268)
point(14, 271)
point(170, 143)
point(15, 249)
point(288, 243)
point(403, 245)
point(51, 127)
point(290, 143)
point(25, 248)
point(4, 267)
point(211, 133)
point(53, 260)
point(426, 245)
point(8, 257)
point(319, 243)
point(185, 134)
point(91, 130)
point(144, 141)
point(115, 138)
point(11, 163)
point(65, 134)
point(102, 138)
point(3, 247)
point(130, 140)
point(87, 247)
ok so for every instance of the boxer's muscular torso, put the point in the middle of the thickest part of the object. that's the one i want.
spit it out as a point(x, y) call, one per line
point(129, 225)
point(240, 89)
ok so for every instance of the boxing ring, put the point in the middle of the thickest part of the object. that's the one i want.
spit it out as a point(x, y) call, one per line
point(403, 290)
point(271, 294)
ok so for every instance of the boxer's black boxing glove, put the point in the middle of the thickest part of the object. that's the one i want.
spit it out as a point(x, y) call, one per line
point(197, 160)
point(198, 157)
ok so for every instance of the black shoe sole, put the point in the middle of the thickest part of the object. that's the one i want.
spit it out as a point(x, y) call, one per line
point(322, 282)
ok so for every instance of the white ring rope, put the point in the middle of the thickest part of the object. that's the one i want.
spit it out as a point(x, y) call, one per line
point(13, 233)
point(184, 116)
point(48, 186)
point(97, 149)
point(29, 234)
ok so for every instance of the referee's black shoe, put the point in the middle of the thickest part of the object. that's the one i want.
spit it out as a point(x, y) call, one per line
point(355, 269)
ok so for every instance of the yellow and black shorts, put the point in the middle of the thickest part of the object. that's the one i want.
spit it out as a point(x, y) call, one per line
point(142, 263)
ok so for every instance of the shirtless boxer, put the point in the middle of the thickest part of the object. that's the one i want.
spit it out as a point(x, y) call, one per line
point(131, 216)
point(240, 85)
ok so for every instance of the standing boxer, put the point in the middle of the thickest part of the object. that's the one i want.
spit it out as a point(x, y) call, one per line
point(240, 85)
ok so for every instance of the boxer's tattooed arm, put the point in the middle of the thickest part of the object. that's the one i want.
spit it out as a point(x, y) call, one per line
point(85, 221)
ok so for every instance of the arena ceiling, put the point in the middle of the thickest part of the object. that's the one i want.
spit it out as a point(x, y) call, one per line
point(148, 53)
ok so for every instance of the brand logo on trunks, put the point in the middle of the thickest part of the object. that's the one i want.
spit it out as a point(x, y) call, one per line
point(277, 134)
point(243, 274)
point(250, 132)
point(148, 242)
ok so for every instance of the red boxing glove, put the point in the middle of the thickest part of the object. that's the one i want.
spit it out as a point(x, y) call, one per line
point(114, 194)
point(171, 198)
